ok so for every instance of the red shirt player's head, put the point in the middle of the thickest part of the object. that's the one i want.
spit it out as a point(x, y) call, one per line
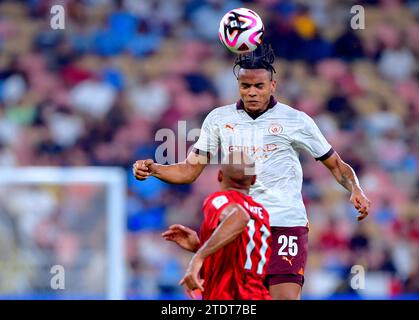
point(237, 172)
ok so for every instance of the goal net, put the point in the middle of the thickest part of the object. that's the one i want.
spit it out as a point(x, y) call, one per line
point(62, 233)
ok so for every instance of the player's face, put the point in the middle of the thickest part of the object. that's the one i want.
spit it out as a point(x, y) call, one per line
point(256, 88)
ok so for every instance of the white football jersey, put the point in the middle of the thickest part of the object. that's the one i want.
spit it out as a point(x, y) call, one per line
point(272, 140)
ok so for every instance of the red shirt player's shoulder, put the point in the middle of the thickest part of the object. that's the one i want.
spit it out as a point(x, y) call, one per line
point(212, 208)
point(218, 199)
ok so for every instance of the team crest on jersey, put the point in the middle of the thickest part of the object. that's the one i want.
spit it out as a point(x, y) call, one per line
point(219, 201)
point(275, 129)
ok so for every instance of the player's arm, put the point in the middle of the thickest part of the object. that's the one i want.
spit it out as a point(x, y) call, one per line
point(346, 176)
point(183, 172)
point(190, 169)
point(233, 221)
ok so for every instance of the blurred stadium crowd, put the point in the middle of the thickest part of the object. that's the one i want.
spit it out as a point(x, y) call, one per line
point(97, 92)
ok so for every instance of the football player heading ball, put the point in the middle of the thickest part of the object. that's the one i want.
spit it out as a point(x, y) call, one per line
point(284, 131)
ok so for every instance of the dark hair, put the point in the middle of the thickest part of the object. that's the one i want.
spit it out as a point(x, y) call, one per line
point(261, 58)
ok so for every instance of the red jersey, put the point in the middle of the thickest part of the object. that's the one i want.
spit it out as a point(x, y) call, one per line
point(237, 270)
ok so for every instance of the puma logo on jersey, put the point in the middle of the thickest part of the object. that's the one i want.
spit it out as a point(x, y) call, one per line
point(253, 209)
point(229, 126)
point(288, 260)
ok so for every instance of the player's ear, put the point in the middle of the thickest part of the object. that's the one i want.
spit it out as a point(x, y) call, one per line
point(220, 176)
point(253, 180)
point(273, 86)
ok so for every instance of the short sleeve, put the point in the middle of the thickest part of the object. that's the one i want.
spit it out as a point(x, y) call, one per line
point(310, 138)
point(208, 138)
point(219, 202)
point(213, 206)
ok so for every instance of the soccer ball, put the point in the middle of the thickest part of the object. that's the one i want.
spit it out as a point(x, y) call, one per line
point(241, 30)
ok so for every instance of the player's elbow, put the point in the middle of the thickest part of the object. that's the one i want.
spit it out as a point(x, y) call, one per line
point(192, 172)
point(191, 178)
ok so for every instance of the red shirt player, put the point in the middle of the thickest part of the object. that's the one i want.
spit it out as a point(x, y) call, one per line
point(233, 248)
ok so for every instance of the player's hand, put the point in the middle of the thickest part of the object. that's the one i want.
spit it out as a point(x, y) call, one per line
point(142, 169)
point(191, 280)
point(361, 203)
point(183, 236)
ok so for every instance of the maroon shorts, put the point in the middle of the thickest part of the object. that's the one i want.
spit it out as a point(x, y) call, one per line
point(289, 255)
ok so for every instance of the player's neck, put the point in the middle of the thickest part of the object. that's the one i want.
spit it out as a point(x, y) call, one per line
point(245, 191)
point(256, 113)
point(270, 104)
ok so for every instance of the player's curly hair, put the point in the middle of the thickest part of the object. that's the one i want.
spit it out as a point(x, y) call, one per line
point(261, 58)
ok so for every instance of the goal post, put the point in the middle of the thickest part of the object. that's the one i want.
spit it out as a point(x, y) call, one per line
point(113, 181)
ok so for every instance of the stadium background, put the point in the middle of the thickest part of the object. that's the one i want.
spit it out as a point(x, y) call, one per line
point(95, 93)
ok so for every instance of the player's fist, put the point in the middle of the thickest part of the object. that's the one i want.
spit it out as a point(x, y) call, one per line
point(142, 169)
point(361, 203)
point(191, 280)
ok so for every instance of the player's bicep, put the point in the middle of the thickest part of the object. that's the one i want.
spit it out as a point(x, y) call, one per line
point(236, 213)
point(228, 209)
point(234, 222)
